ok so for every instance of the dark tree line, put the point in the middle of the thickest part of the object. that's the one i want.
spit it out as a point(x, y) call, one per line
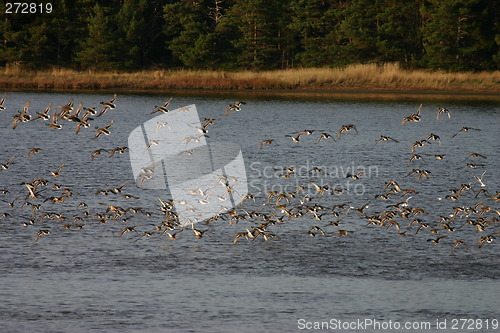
point(254, 34)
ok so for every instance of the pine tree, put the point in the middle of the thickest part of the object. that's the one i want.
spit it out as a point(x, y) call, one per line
point(138, 31)
point(311, 23)
point(97, 50)
point(399, 31)
point(64, 29)
point(257, 23)
point(190, 26)
point(8, 53)
point(459, 34)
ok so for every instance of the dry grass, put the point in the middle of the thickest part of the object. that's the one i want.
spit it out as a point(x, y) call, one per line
point(366, 76)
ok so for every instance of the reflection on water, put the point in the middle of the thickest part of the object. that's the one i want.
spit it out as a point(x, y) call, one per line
point(90, 279)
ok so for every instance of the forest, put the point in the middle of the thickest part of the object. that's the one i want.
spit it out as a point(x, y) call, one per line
point(231, 35)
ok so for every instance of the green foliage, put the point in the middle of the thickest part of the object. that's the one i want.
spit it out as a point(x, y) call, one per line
point(254, 34)
point(191, 31)
point(255, 22)
point(459, 34)
point(98, 48)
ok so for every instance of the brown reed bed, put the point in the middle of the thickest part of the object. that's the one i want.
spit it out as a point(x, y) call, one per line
point(362, 76)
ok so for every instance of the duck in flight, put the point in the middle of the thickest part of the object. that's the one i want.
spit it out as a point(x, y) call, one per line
point(415, 157)
point(42, 232)
point(97, 152)
point(23, 116)
point(456, 243)
point(75, 116)
point(299, 134)
point(33, 151)
point(65, 109)
point(58, 170)
point(437, 156)
point(45, 114)
point(162, 108)
point(84, 122)
point(161, 124)
point(386, 138)
point(475, 155)
point(2, 107)
point(53, 124)
point(295, 139)
point(265, 142)
point(435, 241)
point(234, 107)
point(107, 106)
point(346, 129)
point(480, 179)
point(103, 130)
point(465, 129)
point(434, 137)
point(443, 110)
point(420, 173)
point(325, 136)
point(119, 150)
point(414, 117)
point(356, 175)
point(5, 166)
point(419, 143)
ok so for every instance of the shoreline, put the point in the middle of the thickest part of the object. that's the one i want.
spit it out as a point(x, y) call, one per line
point(300, 94)
point(356, 80)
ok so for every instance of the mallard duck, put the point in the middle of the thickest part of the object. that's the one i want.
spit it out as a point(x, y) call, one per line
point(415, 157)
point(103, 130)
point(2, 107)
point(414, 117)
point(234, 107)
point(44, 114)
point(127, 229)
point(443, 110)
point(435, 241)
point(6, 165)
point(96, 152)
point(434, 137)
point(53, 124)
point(161, 124)
point(33, 151)
point(58, 170)
point(419, 143)
point(437, 156)
point(84, 122)
point(265, 142)
point(42, 232)
point(23, 115)
point(119, 150)
point(75, 115)
point(325, 136)
point(385, 138)
point(162, 108)
point(107, 105)
point(456, 243)
point(475, 155)
point(346, 129)
point(465, 129)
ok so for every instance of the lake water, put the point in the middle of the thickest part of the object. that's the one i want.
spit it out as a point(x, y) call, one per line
point(89, 279)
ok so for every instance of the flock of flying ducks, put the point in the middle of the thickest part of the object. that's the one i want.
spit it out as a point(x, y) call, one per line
point(42, 195)
point(401, 216)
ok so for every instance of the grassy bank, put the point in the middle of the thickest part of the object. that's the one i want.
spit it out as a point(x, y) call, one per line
point(367, 76)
